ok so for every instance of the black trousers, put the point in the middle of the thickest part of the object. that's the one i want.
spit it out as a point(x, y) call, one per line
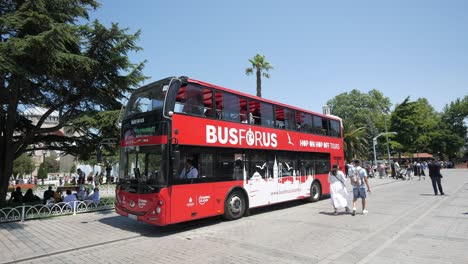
point(436, 183)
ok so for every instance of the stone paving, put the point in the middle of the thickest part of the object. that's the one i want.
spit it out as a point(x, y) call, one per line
point(406, 224)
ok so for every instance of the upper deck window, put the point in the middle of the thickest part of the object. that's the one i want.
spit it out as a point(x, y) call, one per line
point(194, 100)
point(266, 113)
point(284, 118)
point(228, 106)
point(146, 100)
point(318, 128)
point(305, 122)
point(335, 128)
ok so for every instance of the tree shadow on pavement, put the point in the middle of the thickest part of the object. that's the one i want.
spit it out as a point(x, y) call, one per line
point(12, 225)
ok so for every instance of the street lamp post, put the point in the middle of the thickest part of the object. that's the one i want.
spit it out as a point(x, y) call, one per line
point(386, 137)
point(44, 152)
point(374, 142)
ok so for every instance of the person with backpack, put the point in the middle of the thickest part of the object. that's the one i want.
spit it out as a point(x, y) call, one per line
point(359, 182)
point(338, 192)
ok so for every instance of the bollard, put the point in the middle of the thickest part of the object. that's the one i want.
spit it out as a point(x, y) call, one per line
point(22, 213)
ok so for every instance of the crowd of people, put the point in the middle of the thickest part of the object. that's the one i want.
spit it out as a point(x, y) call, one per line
point(51, 197)
point(358, 177)
point(79, 177)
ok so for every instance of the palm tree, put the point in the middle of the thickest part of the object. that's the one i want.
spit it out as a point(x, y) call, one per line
point(261, 67)
point(355, 142)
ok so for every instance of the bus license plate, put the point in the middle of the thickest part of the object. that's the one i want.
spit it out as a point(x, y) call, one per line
point(131, 216)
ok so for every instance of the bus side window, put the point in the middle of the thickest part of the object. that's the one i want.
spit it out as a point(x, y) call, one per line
point(325, 128)
point(243, 110)
point(266, 111)
point(289, 119)
point(219, 105)
point(208, 102)
point(205, 166)
point(180, 99)
point(334, 128)
point(254, 114)
point(231, 107)
point(279, 117)
point(317, 123)
point(194, 101)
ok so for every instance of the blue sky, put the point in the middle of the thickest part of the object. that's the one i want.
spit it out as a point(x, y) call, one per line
point(318, 49)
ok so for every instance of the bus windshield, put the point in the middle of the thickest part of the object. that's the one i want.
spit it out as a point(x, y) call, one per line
point(147, 100)
point(143, 168)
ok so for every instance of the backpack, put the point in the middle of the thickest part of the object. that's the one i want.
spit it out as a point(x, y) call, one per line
point(355, 178)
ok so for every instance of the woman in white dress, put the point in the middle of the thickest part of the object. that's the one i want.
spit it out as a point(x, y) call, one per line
point(338, 192)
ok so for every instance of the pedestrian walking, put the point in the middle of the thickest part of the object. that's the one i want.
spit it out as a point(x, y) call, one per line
point(359, 190)
point(409, 169)
point(421, 171)
point(338, 192)
point(436, 176)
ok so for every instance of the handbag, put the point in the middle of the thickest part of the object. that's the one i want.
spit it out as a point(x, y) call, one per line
point(340, 180)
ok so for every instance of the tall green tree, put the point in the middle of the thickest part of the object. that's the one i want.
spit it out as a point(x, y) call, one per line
point(22, 166)
point(454, 116)
point(42, 172)
point(451, 139)
point(361, 109)
point(414, 122)
point(363, 112)
point(52, 59)
point(261, 68)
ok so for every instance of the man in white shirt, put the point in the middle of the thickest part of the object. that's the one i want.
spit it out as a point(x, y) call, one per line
point(351, 169)
point(70, 199)
point(189, 172)
point(94, 196)
point(359, 191)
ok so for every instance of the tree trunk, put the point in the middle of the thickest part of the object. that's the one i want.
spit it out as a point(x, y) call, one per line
point(259, 83)
point(7, 147)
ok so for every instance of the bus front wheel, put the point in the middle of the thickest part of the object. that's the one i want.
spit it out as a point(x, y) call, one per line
point(234, 207)
point(315, 192)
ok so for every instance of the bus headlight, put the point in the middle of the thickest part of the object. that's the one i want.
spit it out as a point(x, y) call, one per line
point(158, 210)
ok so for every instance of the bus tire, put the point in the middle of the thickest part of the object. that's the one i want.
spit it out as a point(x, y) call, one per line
point(315, 192)
point(235, 206)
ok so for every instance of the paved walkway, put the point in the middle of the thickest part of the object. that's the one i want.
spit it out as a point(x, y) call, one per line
point(406, 224)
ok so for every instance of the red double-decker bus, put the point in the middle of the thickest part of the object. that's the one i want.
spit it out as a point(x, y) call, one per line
point(190, 150)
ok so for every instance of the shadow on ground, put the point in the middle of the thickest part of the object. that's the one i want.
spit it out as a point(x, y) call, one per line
point(149, 230)
point(333, 214)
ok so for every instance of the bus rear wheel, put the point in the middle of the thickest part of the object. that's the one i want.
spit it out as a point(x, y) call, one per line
point(315, 192)
point(234, 207)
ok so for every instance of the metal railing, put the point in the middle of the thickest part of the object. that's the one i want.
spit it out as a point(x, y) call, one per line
point(27, 212)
